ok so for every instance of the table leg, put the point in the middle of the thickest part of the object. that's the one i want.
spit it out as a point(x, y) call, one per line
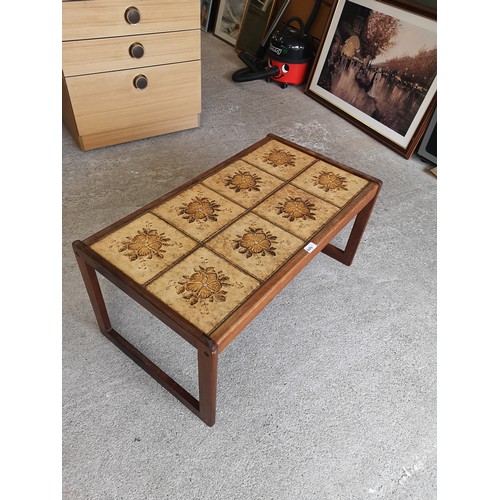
point(207, 380)
point(204, 408)
point(346, 256)
point(94, 290)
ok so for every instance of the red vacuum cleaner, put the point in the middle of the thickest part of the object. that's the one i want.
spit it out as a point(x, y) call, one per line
point(284, 55)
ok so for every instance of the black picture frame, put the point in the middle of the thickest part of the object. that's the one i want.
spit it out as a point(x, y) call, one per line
point(427, 150)
point(205, 12)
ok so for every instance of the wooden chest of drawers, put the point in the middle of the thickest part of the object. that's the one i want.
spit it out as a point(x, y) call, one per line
point(131, 69)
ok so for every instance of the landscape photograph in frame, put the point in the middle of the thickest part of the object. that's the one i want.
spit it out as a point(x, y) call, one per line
point(377, 67)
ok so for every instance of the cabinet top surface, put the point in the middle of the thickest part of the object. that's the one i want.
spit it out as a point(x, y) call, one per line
point(89, 19)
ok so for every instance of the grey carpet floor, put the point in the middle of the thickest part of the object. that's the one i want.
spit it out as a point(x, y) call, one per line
point(329, 394)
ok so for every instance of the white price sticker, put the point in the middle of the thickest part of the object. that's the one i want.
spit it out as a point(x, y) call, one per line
point(310, 247)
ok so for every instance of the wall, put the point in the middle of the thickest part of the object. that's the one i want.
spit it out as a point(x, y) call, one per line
point(303, 9)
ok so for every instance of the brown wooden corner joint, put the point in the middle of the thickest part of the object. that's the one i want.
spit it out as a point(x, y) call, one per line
point(234, 229)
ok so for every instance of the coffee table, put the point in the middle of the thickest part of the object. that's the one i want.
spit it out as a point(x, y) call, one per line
point(207, 257)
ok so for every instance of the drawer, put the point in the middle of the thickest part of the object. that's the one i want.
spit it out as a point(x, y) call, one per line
point(104, 18)
point(109, 101)
point(110, 54)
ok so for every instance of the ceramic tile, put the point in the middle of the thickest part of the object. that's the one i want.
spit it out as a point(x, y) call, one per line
point(199, 211)
point(330, 183)
point(203, 288)
point(256, 245)
point(144, 247)
point(243, 183)
point(296, 211)
point(279, 159)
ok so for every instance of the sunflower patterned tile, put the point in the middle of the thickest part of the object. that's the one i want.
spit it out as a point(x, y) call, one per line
point(296, 211)
point(243, 183)
point(279, 159)
point(144, 247)
point(255, 245)
point(203, 288)
point(330, 183)
point(199, 211)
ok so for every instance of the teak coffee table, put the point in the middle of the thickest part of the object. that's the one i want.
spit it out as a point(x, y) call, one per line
point(206, 258)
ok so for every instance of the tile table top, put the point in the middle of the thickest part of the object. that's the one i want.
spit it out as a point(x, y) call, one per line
point(205, 249)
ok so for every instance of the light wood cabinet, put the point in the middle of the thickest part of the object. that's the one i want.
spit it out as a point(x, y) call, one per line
point(131, 69)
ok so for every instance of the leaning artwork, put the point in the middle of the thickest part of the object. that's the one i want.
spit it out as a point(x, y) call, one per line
point(377, 67)
point(228, 23)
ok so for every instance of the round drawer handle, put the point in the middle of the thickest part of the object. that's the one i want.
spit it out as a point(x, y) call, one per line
point(136, 50)
point(140, 82)
point(132, 15)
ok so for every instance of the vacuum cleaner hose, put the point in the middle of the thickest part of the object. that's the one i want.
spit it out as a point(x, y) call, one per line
point(247, 75)
point(313, 15)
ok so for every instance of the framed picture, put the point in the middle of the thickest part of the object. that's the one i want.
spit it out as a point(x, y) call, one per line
point(261, 5)
point(377, 67)
point(254, 25)
point(228, 23)
point(428, 145)
point(205, 9)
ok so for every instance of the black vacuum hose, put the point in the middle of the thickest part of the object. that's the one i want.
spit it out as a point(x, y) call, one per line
point(247, 75)
point(313, 15)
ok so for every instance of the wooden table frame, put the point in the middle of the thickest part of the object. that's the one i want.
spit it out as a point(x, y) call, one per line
point(208, 349)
